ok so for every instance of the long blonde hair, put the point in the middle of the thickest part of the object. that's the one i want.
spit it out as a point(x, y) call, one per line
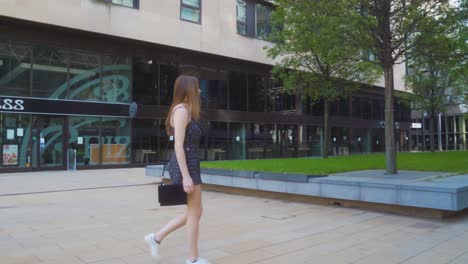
point(186, 91)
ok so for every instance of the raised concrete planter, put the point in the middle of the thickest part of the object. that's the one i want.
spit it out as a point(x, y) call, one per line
point(450, 194)
point(287, 177)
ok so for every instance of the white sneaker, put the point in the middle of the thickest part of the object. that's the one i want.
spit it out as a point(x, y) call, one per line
point(199, 261)
point(154, 247)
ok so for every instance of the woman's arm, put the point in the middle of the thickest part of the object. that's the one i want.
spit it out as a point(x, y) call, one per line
point(180, 122)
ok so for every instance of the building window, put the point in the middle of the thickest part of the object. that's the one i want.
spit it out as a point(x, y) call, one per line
point(127, 3)
point(262, 21)
point(190, 10)
point(241, 17)
point(254, 18)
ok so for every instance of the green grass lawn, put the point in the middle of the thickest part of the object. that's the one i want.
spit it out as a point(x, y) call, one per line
point(455, 162)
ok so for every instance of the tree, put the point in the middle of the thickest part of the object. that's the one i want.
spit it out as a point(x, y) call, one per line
point(308, 38)
point(385, 28)
point(438, 65)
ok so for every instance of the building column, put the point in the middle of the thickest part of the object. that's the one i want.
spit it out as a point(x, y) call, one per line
point(455, 136)
point(461, 122)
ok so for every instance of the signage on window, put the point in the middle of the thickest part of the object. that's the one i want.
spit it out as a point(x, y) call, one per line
point(11, 104)
point(66, 107)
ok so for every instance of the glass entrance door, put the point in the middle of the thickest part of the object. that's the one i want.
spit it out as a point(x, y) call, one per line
point(47, 142)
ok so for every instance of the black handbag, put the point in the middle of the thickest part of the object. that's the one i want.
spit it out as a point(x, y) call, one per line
point(171, 194)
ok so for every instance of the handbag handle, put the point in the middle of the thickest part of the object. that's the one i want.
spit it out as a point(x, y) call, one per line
point(167, 150)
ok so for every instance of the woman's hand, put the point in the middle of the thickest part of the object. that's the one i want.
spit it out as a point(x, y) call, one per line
point(188, 184)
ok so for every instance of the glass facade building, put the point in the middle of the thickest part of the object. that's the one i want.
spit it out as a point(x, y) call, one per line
point(59, 94)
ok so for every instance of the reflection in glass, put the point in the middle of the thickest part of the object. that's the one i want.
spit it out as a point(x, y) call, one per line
point(115, 146)
point(262, 17)
point(84, 133)
point(241, 17)
point(214, 94)
point(259, 140)
point(116, 79)
point(85, 81)
point(237, 144)
point(190, 10)
point(50, 73)
point(15, 69)
point(256, 93)
point(50, 140)
point(168, 74)
point(145, 140)
point(218, 141)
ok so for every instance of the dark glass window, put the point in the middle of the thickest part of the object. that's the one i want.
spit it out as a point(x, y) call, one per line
point(262, 21)
point(241, 17)
point(50, 73)
point(278, 100)
point(318, 108)
point(237, 142)
point(450, 124)
point(218, 141)
point(378, 107)
point(127, 3)
point(167, 76)
point(145, 74)
point(15, 69)
point(256, 91)
point(214, 94)
point(190, 10)
point(457, 123)
point(366, 108)
point(356, 105)
point(145, 140)
point(238, 91)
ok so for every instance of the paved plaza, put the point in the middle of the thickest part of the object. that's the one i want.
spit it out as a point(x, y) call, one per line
point(101, 216)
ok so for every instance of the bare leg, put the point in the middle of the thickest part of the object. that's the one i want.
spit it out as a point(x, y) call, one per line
point(171, 226)
point(194, 211)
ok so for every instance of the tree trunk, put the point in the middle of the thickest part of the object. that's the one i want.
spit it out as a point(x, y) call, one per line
point(326, 129)
point(390, 151)
point(431, 130)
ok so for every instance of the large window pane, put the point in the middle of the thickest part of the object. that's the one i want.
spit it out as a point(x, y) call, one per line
point(215, 93)
point(192, 3)
point(116, 145)
point(50, 73)
point(116, 79)
point(256, 88)
point(85, 81)
point(237, 143)
point(262, 17)
point(238, 91)
point(278, 100)
point(145, 140)
point(167, 76)
point(15, 69)
point(15, 131)
point(258, 141)
point(84, 136)
point(190, 10)
point(145, 74)
point(218, 141)
point(128, 3)
point(241, 17)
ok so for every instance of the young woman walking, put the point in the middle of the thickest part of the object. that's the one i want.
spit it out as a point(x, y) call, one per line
point(184, 166)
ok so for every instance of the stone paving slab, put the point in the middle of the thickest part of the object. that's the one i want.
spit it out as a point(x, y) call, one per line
point(47, 181)
point(107, 225)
